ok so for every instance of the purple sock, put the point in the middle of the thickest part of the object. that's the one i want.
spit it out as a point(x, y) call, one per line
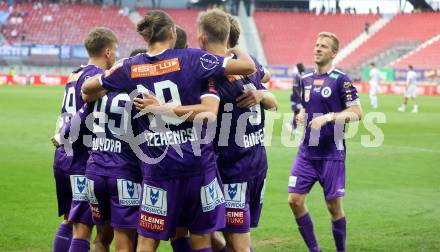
point(203, 250)
point(181, 245)
point(339, 234)
point(305, 226)
point(62, 239)
point(79, 245)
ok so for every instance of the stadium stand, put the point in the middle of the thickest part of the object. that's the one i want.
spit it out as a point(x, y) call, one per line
point(69, 23)
point(402, 29)
point(185, 18)
point(425, 57)
point(290, 37)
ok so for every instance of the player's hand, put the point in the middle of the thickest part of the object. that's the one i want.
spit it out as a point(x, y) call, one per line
point(318, 122)
point(55, 142)
point(300, 118)
point(249, 98)
point(147, 100)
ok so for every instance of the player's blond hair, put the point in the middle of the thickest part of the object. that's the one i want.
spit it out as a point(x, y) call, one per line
point(234, 33)
point(333, 38)
point(215, 25)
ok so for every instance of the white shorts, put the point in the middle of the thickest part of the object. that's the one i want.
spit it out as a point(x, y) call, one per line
point(373, 88)
point(411, 91)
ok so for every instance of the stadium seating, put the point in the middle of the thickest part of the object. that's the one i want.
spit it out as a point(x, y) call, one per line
point(289, 38)
point(427, 57)
point(185, 18)
point(71, 22)
point(403, 28)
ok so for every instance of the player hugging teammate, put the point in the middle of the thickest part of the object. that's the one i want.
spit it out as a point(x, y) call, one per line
point(143, 151)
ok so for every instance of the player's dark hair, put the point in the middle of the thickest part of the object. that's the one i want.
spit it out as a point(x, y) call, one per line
point(181, 39)
point(98, 39)
point(300, 68)
point(154, 26)
point(215, 25)
point(137, 51)
point(372, 64)
point(234, 33)
point(411, 67)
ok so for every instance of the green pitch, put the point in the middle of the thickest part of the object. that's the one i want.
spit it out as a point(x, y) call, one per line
point(393, 191)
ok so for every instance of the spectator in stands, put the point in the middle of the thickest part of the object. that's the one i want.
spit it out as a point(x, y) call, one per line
point(14, 33)
point(23, 37)
point(367, 27)
point(374, 81)
point(410, 91)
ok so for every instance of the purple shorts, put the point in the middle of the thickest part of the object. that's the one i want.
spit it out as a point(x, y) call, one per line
point(196, 202)
point(64, 191)
point(114, 200)
point(80, 210)
point(329, 173)
point(244, 202)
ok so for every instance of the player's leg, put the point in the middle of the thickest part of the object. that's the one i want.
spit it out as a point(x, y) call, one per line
point(415, 107)
point(413, 96)
point(218, 242)
point(303, 176)
point(145, 244)
point(125, 239)
point(180, 242)
point(63, 236)
point(332, 179)
point(404, 102)
point(373, 96)
point(238, 242)
point(104, 236)
point(81, 237)
point(206, 205)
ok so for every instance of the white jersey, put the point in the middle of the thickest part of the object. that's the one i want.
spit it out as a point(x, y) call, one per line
point(375, 76)
point(411, 77)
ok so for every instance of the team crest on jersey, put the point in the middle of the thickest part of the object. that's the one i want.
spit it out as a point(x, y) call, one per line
point(209, 61)
point(307, 90)
point(235, 195)
point(91, 192)
point(154, 200)
point(211, 196)
point(128, 192)
point(79, 187)
point(326, 92)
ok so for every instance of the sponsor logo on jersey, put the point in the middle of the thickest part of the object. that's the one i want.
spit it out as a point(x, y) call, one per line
point(79, 187)
point(334, 75)
point(318, 82)
point(292, 181)
point(209, 61)
point(211, 196)
point(235, 217)
point(128, 192)
point(152, 222)
point(326, 92)
point(96, 214)
point(156, 69)
point(154, 200)
point(235, 195)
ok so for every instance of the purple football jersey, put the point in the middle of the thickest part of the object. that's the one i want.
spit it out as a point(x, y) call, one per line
point(71, 104)
point(322, 94)
point(176, 75)
point(239, 147)
point(110, 155)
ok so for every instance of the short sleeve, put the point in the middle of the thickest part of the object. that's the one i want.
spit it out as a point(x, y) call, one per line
point(206, 65)
point(118, 78)
point(348, 93)
point(209, 89)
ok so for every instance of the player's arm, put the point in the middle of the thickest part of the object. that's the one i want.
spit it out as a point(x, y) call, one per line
point(206, 110)
point(252, 97)
point(242, 65)
point(266, 77)
point(301, 116)
point(92, 89)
